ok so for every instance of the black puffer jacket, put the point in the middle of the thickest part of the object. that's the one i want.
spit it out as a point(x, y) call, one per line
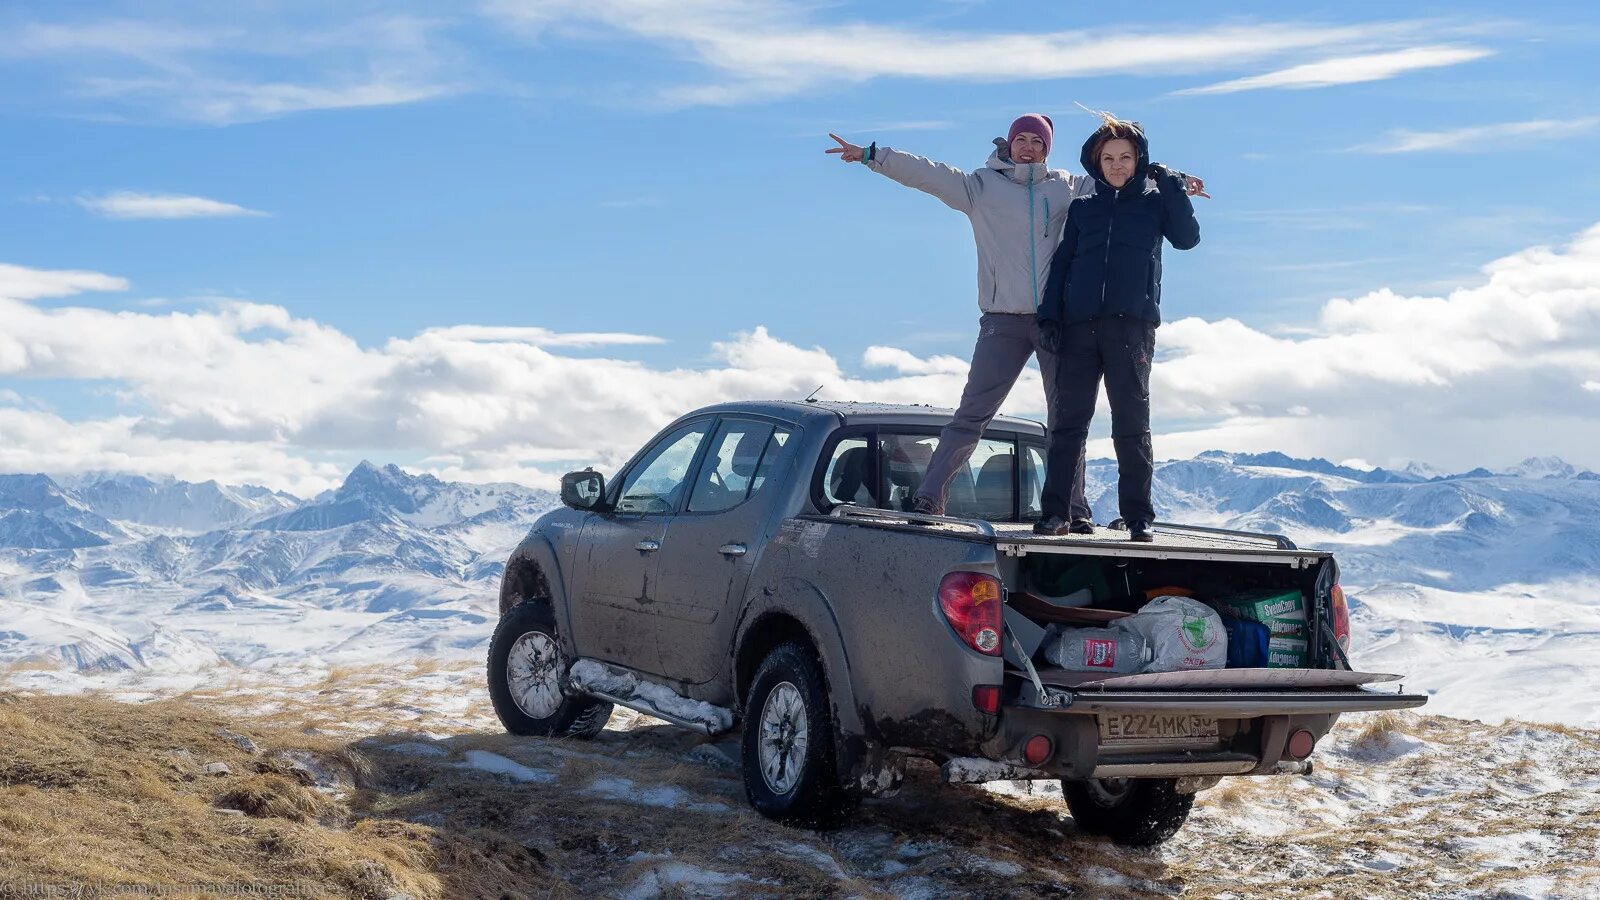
point(1109, 260)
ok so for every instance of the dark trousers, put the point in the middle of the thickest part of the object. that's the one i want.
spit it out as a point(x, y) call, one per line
point(1119, 349)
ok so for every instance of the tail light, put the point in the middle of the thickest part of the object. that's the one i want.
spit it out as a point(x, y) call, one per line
point(1037, 750)
point(971, 604)
point(1340, 609)
point(986, 699)
point(1301, 743)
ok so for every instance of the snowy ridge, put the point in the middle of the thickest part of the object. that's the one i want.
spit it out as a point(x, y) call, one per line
point(205, 574)
point(1482, 588)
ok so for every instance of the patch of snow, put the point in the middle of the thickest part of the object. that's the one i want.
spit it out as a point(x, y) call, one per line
point(918, 887)
point(613, 787)
point(683, 879)
point(496, 764)
point(415, 748)
point(719, 755)
point(1510, 850)
point(1049, 788)
point(1000, 867)
point(817, 858)
point(973, 769)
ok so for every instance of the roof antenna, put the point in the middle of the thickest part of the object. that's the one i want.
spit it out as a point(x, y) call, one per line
point(812, 397)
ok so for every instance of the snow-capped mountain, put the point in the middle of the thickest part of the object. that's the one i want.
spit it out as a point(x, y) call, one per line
point(387, 562)
point(1482, 587)
point(176, 505)
point(35, 511)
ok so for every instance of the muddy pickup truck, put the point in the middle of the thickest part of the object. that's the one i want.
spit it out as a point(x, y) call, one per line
point(754, 566)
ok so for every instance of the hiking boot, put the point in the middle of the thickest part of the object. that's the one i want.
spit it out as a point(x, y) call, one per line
point(926, 507)
point(1083, 526)
point(1140, 531)
point(1052, 525)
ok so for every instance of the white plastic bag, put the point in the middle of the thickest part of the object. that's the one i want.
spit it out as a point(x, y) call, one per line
point(1183, 634)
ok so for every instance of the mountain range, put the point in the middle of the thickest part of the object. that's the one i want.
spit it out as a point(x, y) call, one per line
point(1481, 585)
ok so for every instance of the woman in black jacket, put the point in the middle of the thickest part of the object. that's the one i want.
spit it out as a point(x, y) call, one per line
point(1099, 310)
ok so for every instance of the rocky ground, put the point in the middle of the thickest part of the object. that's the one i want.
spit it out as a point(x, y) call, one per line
point(398, 782)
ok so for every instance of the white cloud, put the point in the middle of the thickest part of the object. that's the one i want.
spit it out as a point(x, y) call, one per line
point(910, 364)
point(133, 205)
point(1481, 375)
point(240, 64)
point(224, 102)
point(539, 337)
point(765, 48)
point(1350, 69)
point(21, 283)
point(1478, 137)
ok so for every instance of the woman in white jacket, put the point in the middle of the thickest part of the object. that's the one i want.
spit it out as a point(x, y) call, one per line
point(1017, 207)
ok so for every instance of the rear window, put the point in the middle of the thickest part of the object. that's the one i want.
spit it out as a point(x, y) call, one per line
point(885, 470)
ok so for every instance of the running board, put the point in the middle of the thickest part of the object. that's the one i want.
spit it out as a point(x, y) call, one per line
point(624, 688)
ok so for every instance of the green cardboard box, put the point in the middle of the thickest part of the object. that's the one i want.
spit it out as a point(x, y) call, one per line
point(1287, 652)
point(1283, 612)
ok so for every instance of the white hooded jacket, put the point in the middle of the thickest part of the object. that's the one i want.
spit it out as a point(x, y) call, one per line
point(1017, 211)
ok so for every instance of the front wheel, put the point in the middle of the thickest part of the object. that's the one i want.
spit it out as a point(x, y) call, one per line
point(1134, 812)
point(790, 773)
point(527, 679)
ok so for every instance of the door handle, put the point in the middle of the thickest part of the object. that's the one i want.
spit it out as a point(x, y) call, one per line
point(647, 546)
point(732, 550)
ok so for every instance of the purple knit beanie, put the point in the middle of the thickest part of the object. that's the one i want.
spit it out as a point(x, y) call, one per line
point(1036, 123)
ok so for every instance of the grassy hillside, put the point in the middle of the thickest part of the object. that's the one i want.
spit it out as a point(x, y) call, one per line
point(393, 783)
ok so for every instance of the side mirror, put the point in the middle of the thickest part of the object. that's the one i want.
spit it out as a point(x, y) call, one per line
point(584, 490)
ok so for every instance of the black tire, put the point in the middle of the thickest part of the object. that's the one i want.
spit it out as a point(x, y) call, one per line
point(574, 716)
point(807, 791)
point(1134, 812)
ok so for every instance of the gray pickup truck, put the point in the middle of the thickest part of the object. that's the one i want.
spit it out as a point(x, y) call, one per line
point(755, 564)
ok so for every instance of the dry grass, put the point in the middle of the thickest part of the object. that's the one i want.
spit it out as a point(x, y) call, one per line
point(96, 790)
point(1379, 726)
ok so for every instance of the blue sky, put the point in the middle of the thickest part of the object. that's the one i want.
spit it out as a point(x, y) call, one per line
point(651, 175)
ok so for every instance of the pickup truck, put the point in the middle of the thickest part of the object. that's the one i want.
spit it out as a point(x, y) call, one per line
point(755, 566)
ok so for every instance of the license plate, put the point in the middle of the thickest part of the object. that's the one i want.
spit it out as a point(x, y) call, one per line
point(1157, 728)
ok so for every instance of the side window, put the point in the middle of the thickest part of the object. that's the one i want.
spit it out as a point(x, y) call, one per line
point(742, 454)
point(848, 476)
point(769, 460)
point(657, 482)
point(1032, 482)
point(905, 462)
point(985, 482)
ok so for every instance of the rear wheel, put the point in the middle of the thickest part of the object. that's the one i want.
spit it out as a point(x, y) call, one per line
point(790, 773)
point(1135, 812)
point(527, 678)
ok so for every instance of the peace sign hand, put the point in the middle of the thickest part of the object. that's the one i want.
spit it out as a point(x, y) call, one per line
point(847, 151)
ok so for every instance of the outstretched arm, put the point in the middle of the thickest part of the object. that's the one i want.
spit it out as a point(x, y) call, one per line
point(949, 184)
point(1178, 223)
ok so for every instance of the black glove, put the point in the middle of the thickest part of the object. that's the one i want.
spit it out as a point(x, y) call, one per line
point(1050, 335)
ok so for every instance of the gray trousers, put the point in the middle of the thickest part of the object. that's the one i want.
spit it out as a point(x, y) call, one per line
point(1005, 341)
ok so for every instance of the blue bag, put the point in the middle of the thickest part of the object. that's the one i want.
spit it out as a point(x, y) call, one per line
point(1247, 643)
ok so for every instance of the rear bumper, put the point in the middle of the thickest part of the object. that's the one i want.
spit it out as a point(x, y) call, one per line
point(1255, 729)
point(1228, 704)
